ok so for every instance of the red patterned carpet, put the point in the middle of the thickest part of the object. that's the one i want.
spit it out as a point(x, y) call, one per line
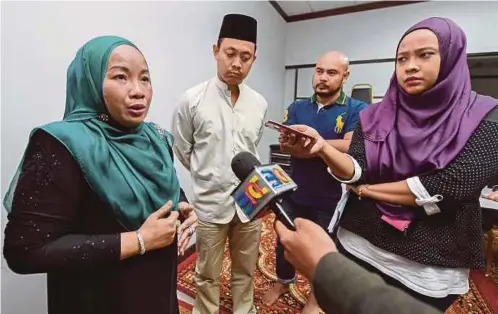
point(482, 299)
point(185, 308)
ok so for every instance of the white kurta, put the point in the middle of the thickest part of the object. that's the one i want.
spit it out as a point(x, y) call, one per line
point(208, 133)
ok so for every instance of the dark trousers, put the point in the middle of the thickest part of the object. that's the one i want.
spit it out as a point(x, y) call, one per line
point(439, 303)
point(285, 271)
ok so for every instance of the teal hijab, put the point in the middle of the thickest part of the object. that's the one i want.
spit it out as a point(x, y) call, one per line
point(130, 169)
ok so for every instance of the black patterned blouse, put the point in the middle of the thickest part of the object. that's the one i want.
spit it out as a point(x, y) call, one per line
point(59, 226)
point(451, 238)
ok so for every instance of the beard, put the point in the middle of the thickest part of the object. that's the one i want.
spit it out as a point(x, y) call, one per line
point(329, 93)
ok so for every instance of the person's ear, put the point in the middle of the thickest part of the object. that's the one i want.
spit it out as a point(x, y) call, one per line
point(346, 76)
point(216, 50)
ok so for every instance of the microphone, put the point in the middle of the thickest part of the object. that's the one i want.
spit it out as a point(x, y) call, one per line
point(261, 186)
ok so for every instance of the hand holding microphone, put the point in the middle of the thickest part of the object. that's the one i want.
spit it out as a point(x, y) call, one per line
point(306, 246)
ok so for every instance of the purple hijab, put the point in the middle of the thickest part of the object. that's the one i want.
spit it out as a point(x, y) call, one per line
point(410, 135)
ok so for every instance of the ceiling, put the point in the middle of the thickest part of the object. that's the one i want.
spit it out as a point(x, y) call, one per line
point(293, 11)
point(301, 7)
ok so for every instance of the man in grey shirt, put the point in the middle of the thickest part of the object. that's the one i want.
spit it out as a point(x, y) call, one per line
point(214, 121)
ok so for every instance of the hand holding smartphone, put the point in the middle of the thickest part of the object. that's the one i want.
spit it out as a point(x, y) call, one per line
point(282, 127)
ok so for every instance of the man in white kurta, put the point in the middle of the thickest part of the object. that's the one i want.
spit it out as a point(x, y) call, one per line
point(213, 122)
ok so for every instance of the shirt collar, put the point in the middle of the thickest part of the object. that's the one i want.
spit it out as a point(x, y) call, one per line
point(224, 87)
point(341, 100)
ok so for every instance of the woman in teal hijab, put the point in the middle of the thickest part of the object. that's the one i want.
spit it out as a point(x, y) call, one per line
point(96, 201)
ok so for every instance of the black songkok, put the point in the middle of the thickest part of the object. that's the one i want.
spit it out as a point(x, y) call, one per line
point(240, 27)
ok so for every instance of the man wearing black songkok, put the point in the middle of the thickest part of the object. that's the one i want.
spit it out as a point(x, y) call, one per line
point(213, 122)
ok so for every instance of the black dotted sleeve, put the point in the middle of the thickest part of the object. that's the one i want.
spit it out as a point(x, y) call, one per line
point(357, 151)
point(39, 235)
point(493, 182)
point(473, 169)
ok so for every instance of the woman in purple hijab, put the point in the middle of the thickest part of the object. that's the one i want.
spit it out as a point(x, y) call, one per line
point(416, 164)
